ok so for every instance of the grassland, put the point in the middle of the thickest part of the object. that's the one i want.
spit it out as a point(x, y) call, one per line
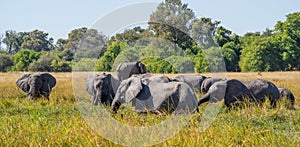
point(59, 122)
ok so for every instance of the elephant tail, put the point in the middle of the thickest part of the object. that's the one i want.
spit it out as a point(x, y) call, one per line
point(204, 99)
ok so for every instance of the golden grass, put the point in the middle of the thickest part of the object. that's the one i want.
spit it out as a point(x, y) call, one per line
point(59, 122)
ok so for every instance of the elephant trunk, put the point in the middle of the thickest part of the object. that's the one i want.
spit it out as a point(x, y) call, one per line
point(204, 99)
point(34, 91)
point(115, 103)
point(97, 97)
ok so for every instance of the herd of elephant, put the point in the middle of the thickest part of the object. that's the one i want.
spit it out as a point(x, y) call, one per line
point(159, 93)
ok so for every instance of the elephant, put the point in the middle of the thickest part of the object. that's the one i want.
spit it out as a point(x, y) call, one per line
point(232, 91)
point(194, 81)
point(102, 87)
point(36, 85)
point(127, 69)
point(208, 82)
point(262, 89)
point(286, 93)
point(155, 94)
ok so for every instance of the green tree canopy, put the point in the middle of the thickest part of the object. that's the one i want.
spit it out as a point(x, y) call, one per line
point(38, 41)
point(170, 21)
point(23, 58)
point(6, 62)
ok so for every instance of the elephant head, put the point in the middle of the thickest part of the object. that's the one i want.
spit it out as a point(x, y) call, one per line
point(207, 82)
point(36, 85)
point(141, 67)
point(127, 91)
point(102, 87)
point(194, 81)
point(286, 93)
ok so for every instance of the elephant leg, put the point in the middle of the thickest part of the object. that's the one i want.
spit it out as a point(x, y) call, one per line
point(273, 103)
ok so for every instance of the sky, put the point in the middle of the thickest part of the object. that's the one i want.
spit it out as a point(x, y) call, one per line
point(59, 17)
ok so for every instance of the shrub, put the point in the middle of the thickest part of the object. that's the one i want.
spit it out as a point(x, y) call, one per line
point(6, 62)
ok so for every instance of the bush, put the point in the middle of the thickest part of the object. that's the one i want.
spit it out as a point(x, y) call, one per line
point(60, 66)
point(181, 64)
point(157, 65)
point(6, 62)
point(23, 58)
point(43, 64)
point(85, 64)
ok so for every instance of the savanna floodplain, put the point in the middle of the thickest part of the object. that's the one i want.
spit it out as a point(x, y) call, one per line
point(59, 122)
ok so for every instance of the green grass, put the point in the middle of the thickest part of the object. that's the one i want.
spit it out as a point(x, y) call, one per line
point(59, 122)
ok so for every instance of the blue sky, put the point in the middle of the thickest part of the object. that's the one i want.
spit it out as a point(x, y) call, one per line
point(59, 17)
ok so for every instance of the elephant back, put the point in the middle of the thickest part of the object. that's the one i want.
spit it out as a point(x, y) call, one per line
point(237, 91)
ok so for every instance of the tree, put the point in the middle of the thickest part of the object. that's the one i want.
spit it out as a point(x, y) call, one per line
point(1, 38)
point(23, 58)
point(230, 58)
point(131, 36)
point(181, 64)
point(13, 41)
point(201, 63)
point(170, 21)
point(157, 65)
point(74, 38)
point(43, 64)
point(6, 62)
point(203, 31)
point(222, 36)
point(263, 54)
point(38, 41)
point(105, 62)
point(288, 35)
point(85, 64)
point(84, 43)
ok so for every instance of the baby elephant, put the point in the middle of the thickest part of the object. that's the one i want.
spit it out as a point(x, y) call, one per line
point(286, 93)
point(36, 85)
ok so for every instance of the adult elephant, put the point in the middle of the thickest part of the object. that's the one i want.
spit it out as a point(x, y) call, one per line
point(262, 89)
point(155, 94)
point(208, 82)
point(232, 91)
point(126, 69)
point(102, 87)
point(36, 85)
point(194, 81)
point(286, 93)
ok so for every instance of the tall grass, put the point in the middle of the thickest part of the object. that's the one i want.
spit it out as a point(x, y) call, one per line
point(59, 122)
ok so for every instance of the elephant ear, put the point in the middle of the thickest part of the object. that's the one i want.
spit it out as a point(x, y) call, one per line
point(89, 84)
point(49, 80)
point(134, 88)
point(22, 82)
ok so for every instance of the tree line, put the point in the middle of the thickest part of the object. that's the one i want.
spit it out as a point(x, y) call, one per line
point(175, 40)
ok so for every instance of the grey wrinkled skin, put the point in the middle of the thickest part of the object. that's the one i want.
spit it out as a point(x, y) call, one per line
point(194, 81)
point(155, 94)
point(102, 87)
point(232, 91)
point(262, 89)
point(127, 69)
point(36, 85)
point(207, 83)
point(286, 93)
